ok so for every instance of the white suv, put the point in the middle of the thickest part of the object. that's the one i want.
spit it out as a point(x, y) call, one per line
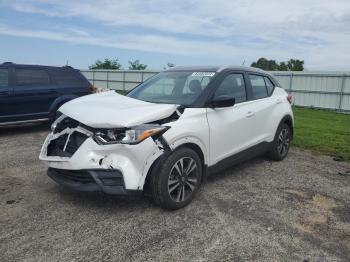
point(168, 133)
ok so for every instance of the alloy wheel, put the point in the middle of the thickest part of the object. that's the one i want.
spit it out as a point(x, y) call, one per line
point(283, 142)
point(183, 179)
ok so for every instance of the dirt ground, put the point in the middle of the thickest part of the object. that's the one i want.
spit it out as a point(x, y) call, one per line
point(295, 210)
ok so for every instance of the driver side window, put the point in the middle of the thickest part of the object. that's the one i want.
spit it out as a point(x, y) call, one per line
point(232, 86)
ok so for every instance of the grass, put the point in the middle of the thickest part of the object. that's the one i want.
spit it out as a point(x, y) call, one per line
point(322, 131)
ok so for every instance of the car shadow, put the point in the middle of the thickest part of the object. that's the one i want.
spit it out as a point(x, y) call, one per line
point(102, 200)
point(23, 129)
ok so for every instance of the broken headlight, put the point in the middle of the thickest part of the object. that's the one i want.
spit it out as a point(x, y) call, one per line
point(133, 135)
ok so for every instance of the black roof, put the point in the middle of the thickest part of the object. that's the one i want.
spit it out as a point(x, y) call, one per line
point(27, 65)
point(216, 68)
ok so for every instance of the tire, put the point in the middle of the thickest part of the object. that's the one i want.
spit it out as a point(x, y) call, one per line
point(281, 143)
point(176, 179)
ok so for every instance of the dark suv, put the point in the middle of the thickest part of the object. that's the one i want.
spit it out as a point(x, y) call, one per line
point(30, 93)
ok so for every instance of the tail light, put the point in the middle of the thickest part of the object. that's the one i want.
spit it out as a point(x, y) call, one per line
point(290, 98)
point(90, 88)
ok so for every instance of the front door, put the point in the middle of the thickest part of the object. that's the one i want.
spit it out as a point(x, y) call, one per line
point(230, 127)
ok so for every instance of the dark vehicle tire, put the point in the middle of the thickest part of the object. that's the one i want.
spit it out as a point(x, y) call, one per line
point(176, 180)
point(281, 143)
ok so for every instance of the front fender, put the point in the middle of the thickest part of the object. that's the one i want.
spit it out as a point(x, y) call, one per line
point(191, 140)
point(158, 154)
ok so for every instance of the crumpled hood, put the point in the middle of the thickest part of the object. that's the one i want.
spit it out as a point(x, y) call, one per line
point(111, 110)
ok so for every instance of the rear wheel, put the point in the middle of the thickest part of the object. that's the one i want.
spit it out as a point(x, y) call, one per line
point(281, 143)
point(175, 182)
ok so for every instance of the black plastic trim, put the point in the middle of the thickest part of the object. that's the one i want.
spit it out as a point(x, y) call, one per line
point(97, 180)
point(242, 156)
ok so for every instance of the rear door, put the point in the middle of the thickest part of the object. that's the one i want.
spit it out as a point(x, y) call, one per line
point(231, 127)
point(6, 103)
point(34, 92)
point(261, 89)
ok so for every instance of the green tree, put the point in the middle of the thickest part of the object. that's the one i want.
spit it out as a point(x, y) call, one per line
point(272, 65)
point(283, 67)
point(295, 65)
point(263, 63)
point(136, 65)
point(106, 64)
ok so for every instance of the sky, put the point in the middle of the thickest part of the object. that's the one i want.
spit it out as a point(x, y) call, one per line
point(191, 32)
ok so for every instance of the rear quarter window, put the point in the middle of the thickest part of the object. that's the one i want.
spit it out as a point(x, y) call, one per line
point(66, 77)
point(269, 85)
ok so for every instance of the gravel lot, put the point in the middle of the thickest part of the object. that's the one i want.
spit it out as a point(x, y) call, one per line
point(294, 210)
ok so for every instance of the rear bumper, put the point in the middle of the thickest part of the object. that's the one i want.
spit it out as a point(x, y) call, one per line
point(106, 181)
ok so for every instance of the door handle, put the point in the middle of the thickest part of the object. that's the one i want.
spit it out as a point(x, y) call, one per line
point(278, 101)
point(250, 114)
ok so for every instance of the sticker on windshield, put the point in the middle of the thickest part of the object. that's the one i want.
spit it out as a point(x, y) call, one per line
point(203, 73)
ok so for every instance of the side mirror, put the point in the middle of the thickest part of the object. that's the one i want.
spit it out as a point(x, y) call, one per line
point(222, 101)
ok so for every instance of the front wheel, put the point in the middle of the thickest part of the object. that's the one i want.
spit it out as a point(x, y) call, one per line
point(176, 180)
point(281, 143)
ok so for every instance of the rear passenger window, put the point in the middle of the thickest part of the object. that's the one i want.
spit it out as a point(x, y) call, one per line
point(29, 77)
point(233, 86)
point(269, 85)
point(4, 78)
point(65, 77)
point(258, 86)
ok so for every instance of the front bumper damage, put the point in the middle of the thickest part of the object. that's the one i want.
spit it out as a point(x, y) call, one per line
point(76, 161)
point(107, 181)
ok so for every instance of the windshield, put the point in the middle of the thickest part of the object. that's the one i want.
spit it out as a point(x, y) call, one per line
point(181, 88)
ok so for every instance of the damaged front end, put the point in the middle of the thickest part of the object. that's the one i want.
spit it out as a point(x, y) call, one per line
point(130, 136)
point(111, 160)
point(66, 137)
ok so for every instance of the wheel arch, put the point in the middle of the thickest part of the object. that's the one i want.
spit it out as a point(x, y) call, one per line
point(287, 119)
point(195, 147)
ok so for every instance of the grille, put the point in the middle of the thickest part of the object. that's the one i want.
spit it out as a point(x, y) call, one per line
point(60, 146)
point(80, 176)
point(66, 123)
point(107, 177)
